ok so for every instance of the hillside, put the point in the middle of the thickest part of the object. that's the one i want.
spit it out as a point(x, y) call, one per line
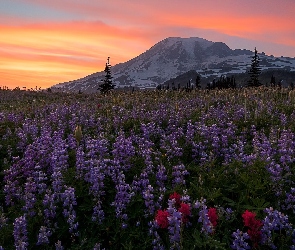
point(174, 56)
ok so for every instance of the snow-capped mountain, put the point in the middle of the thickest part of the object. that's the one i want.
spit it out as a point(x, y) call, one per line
point(174, 56)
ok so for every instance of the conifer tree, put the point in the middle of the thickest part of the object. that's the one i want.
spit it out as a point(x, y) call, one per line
point(272, 81)
point(255, 71)
point(107, 84)
point(198, 82)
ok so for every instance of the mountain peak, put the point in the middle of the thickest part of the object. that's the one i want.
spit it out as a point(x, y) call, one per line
point(187, 41)
point(174, 56)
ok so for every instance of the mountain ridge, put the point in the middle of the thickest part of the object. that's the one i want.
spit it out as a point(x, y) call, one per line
point(173, 56)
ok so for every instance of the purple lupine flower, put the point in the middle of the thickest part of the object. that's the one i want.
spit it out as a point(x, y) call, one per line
point(161, 193)
point(123, 196)
point(98, 214)
point(98, 247)
point(57, 181)
point(228, 213)
point(40, 178)
point(274, 221)
point(262, 146)
point(283, 119)
point(123, 150)
point(198, 152)
point(71, 141)
point(23, 139)
point(190, 132)
point(174, 227)
point(179, 172)
point(145, 149)
point(30, 196)
point(239, 242)
point(16, 174)
point(161, 176)
point(20, 233)
point(141, 183)
point(81, 168)
point(97, 148)
point(49, 206)
point(286, 150)
point(150, 129)
point(216, 142)
point(58, 245)
point(149, 200)
point(289, 202)
point(157, 241)
point(207, 226)
point(185, 197)
point(69, 201)
point(43, 235)
point(169, 143)
point(96, 179)
point(58, 163)
point(92, 167)
point(136, 185)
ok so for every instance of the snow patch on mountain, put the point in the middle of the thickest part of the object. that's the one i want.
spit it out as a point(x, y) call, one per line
point(174, 56)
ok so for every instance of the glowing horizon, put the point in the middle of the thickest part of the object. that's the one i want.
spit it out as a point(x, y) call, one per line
point(45, 43)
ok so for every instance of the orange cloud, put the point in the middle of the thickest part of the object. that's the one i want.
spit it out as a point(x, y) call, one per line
point(44, 52)
point(239, 24)
point(239, 17)
point(57, 52)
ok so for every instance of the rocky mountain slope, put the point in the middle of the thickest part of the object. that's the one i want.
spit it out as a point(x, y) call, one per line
point(174, 56)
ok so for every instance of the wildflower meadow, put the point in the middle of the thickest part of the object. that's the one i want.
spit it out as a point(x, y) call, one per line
point(148, 170)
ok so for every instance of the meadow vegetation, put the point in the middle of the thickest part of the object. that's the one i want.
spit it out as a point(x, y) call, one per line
point(148, 170)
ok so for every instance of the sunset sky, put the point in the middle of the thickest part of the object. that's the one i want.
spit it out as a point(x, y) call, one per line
point(45, 42)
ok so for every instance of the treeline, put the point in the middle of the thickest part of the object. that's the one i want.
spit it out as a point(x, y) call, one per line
point(223, 82)
point(227, 82)
point(188, 87)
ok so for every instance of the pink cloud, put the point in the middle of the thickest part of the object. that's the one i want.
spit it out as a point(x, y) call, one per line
point(53, 52)
point(247, 19)
point(62, 51)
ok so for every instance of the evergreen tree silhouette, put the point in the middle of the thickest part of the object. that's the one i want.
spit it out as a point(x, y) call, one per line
point(272, 81)
point(107, 84)
point(173, 86)
point(255, 71)
point(224, 82)
point(233, 82)
point(198, 82)
point(159, 87)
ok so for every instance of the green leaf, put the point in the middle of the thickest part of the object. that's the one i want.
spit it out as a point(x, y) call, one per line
point(230, 201)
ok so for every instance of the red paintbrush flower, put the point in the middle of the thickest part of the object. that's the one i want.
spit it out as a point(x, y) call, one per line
point(162, 218)
point(248, 218)
point(253, 226)
point(213, 217)
point(177, 197)
point(185, 211)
